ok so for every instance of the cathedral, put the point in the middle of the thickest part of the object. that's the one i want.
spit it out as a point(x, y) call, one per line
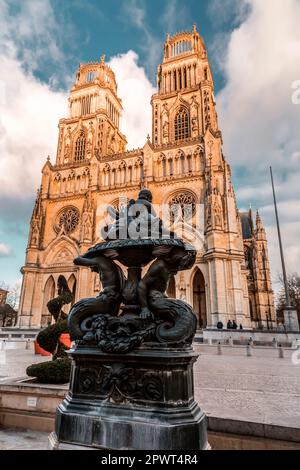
point(181, 163)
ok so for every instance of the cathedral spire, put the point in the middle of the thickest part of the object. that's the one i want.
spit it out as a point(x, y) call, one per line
point(37, 205)
point(260, 230)
point(259, 224)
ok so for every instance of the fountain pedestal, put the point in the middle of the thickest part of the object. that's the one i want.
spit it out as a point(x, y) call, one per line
point(142, 401)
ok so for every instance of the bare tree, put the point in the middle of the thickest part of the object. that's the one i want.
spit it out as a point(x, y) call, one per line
point(8, 309)
point(13, 298)
point(294, 291)
point(3, 285)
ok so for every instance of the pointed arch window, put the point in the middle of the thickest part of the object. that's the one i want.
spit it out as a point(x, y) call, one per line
point(80, 147)
point(182, 124)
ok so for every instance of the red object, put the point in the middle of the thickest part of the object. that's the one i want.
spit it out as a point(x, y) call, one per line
point(39, 350)
point(65, 340)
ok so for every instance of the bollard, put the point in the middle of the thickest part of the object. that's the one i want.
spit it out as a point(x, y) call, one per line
point(209, 341)
point(274, 343)
point(281, 352)
point(2, 358)
point(249, 350)
point(4, 343)
point(230, 341)
point(219, 349)
point(27, 344)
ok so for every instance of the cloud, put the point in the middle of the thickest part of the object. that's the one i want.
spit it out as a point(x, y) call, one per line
point(175, 16)
point(137, 12)
point(28, 128)
point(135, 90)
point(172, 16)
point(150, 45)
point(33, 32)
point(260, 123)
point(5, 250)
point(29, 109)
point(224, 12)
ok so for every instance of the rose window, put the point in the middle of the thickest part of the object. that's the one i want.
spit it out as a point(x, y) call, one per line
point(182, 204)
point(68, 218)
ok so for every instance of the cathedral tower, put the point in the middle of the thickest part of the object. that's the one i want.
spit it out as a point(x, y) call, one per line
point(184, 106)
point(94, 116)
point(261, 298)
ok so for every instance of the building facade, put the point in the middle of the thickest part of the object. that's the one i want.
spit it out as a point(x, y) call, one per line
point(182, 163)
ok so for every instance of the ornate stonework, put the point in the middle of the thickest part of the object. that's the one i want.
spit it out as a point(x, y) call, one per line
point(67, 219)
point(183, 162)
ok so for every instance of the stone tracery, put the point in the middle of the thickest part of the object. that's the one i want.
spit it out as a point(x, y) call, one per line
point(67, 219)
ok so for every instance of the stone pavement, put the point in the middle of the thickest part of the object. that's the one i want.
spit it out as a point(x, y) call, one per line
point(13, 362)
point(262, 388)
point(23, 439)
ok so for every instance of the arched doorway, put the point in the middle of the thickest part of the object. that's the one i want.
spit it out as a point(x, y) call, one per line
point(171, 291)
point(199, 301)
point(72, 287)
point(49, 293)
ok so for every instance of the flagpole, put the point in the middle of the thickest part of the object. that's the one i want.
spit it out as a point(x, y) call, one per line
point(142, 183)
point(287, 295)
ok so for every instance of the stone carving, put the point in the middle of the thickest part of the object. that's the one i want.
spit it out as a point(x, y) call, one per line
point(36, 221)
point(208, 215)
point(217, 214)
point(87, 219)
point(87, 226)
point(118, 383)
point(67, 219)
point(165, 123)
point(166, 129)
point(194, 115)
point(89, 140)
point(67, 152)
point(194, 123)
point(184, 201)
point(133, 310)
point(63, 257)
point(35, 233)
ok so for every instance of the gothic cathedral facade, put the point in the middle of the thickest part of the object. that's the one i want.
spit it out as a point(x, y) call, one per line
point(181, 163)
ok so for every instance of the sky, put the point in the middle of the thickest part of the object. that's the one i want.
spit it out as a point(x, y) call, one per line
point(254, 51)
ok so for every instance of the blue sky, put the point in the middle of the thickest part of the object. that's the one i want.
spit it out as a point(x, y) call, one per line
point(86, 29)
point(43, 41)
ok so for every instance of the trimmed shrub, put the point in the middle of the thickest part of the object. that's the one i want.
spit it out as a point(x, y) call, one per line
point(52, 372)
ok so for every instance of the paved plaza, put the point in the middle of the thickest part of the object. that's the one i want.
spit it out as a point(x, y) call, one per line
point(262, 388)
